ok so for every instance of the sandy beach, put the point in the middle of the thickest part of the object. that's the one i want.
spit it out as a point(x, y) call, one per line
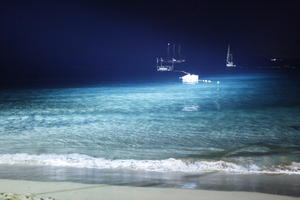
point(19, 189)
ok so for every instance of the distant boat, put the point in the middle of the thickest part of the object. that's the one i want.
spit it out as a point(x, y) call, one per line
point(167, 65)
point(189, 78)
point(229, 58)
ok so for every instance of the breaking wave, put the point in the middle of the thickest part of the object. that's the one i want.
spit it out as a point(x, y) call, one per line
point(190, 108)
point(167, 165)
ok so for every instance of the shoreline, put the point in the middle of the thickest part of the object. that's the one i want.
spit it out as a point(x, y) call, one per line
point(217, 181)
point(78, 191)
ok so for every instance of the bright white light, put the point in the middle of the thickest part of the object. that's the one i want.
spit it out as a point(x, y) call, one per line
point(190, 78)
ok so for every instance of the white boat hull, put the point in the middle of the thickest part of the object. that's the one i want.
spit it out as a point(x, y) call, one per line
point(230, 65)
point(190, 78)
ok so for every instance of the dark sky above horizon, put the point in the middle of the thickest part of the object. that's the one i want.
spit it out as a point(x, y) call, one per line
point(49, 41)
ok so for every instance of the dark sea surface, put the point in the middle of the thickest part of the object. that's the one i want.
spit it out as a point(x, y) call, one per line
point(240, 134)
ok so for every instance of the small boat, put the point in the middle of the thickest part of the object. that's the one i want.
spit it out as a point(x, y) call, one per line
point(189, 78)
point(167, 65)
point(229, 58)
point(164, 66)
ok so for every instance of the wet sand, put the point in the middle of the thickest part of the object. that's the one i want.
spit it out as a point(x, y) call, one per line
point(19, 189)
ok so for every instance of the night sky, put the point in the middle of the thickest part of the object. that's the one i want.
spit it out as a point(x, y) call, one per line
point(75, 42)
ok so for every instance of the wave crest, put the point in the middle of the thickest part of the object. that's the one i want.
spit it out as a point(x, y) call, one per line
point(167, 165)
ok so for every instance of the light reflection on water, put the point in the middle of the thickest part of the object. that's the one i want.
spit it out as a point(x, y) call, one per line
point(247, 120)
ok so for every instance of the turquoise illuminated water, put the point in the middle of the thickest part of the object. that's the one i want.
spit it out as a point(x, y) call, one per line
point(245, 124)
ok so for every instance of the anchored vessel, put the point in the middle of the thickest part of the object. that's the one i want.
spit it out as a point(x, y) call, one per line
point(189, 78)
point(229, 58)
point(167, 64)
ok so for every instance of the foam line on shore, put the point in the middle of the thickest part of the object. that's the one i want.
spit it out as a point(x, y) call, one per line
point(166, 165)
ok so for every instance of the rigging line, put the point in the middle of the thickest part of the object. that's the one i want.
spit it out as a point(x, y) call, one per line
point(181, 71)
point(174, 50)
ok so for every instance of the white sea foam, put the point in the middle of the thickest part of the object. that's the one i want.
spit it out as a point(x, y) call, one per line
point(190, 108)
point(167, 165)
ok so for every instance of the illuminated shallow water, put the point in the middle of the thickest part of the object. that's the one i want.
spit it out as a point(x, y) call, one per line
point(244, 125)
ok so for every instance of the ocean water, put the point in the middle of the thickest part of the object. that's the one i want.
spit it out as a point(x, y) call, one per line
point(247, 124)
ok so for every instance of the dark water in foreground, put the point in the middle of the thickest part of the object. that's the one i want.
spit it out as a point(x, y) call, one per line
point(164, 134)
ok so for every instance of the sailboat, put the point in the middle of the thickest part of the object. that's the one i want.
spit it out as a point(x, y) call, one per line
point(229, 58)
point(167, 64)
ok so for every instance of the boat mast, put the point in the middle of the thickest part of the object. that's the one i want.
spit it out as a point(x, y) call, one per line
point(168, 51)
point(228, 55)
point(173, 51)
point(179, 51)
